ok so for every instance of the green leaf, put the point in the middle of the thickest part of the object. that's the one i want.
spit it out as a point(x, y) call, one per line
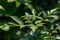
point(58, 37)
point(17, 19)
point(33, 17)
point(17, 3)
point(10, 0)
point(44, 14)
point(5, 27)
point(33, 27)
point(27, 15)
point(38, 21)
point(29, 6)
point(40, 24)
point(1, 7)
point(33, 11)
point(57, 27)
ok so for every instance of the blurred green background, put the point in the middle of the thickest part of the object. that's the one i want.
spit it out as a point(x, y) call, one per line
point(29, 19)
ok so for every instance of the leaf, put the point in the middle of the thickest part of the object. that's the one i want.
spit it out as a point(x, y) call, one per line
point(33, 27)
point(13, 24)
point(18, 20)
point(40, 24)
point(53, 10)
point(29, 6)
point(56, 17)
point(11, 0)
point(5, 27)
point(1, 7)
point(17, 3)
point(33, 11)
point(57, 27)
point(38, 21)
point(44, 32)
point(33, 17)
point(1, 26)
point(44, 14)
point(58, 37)
point(52, 27)
point(27, 15)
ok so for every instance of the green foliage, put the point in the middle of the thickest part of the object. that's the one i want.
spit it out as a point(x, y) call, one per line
point(29, 19)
